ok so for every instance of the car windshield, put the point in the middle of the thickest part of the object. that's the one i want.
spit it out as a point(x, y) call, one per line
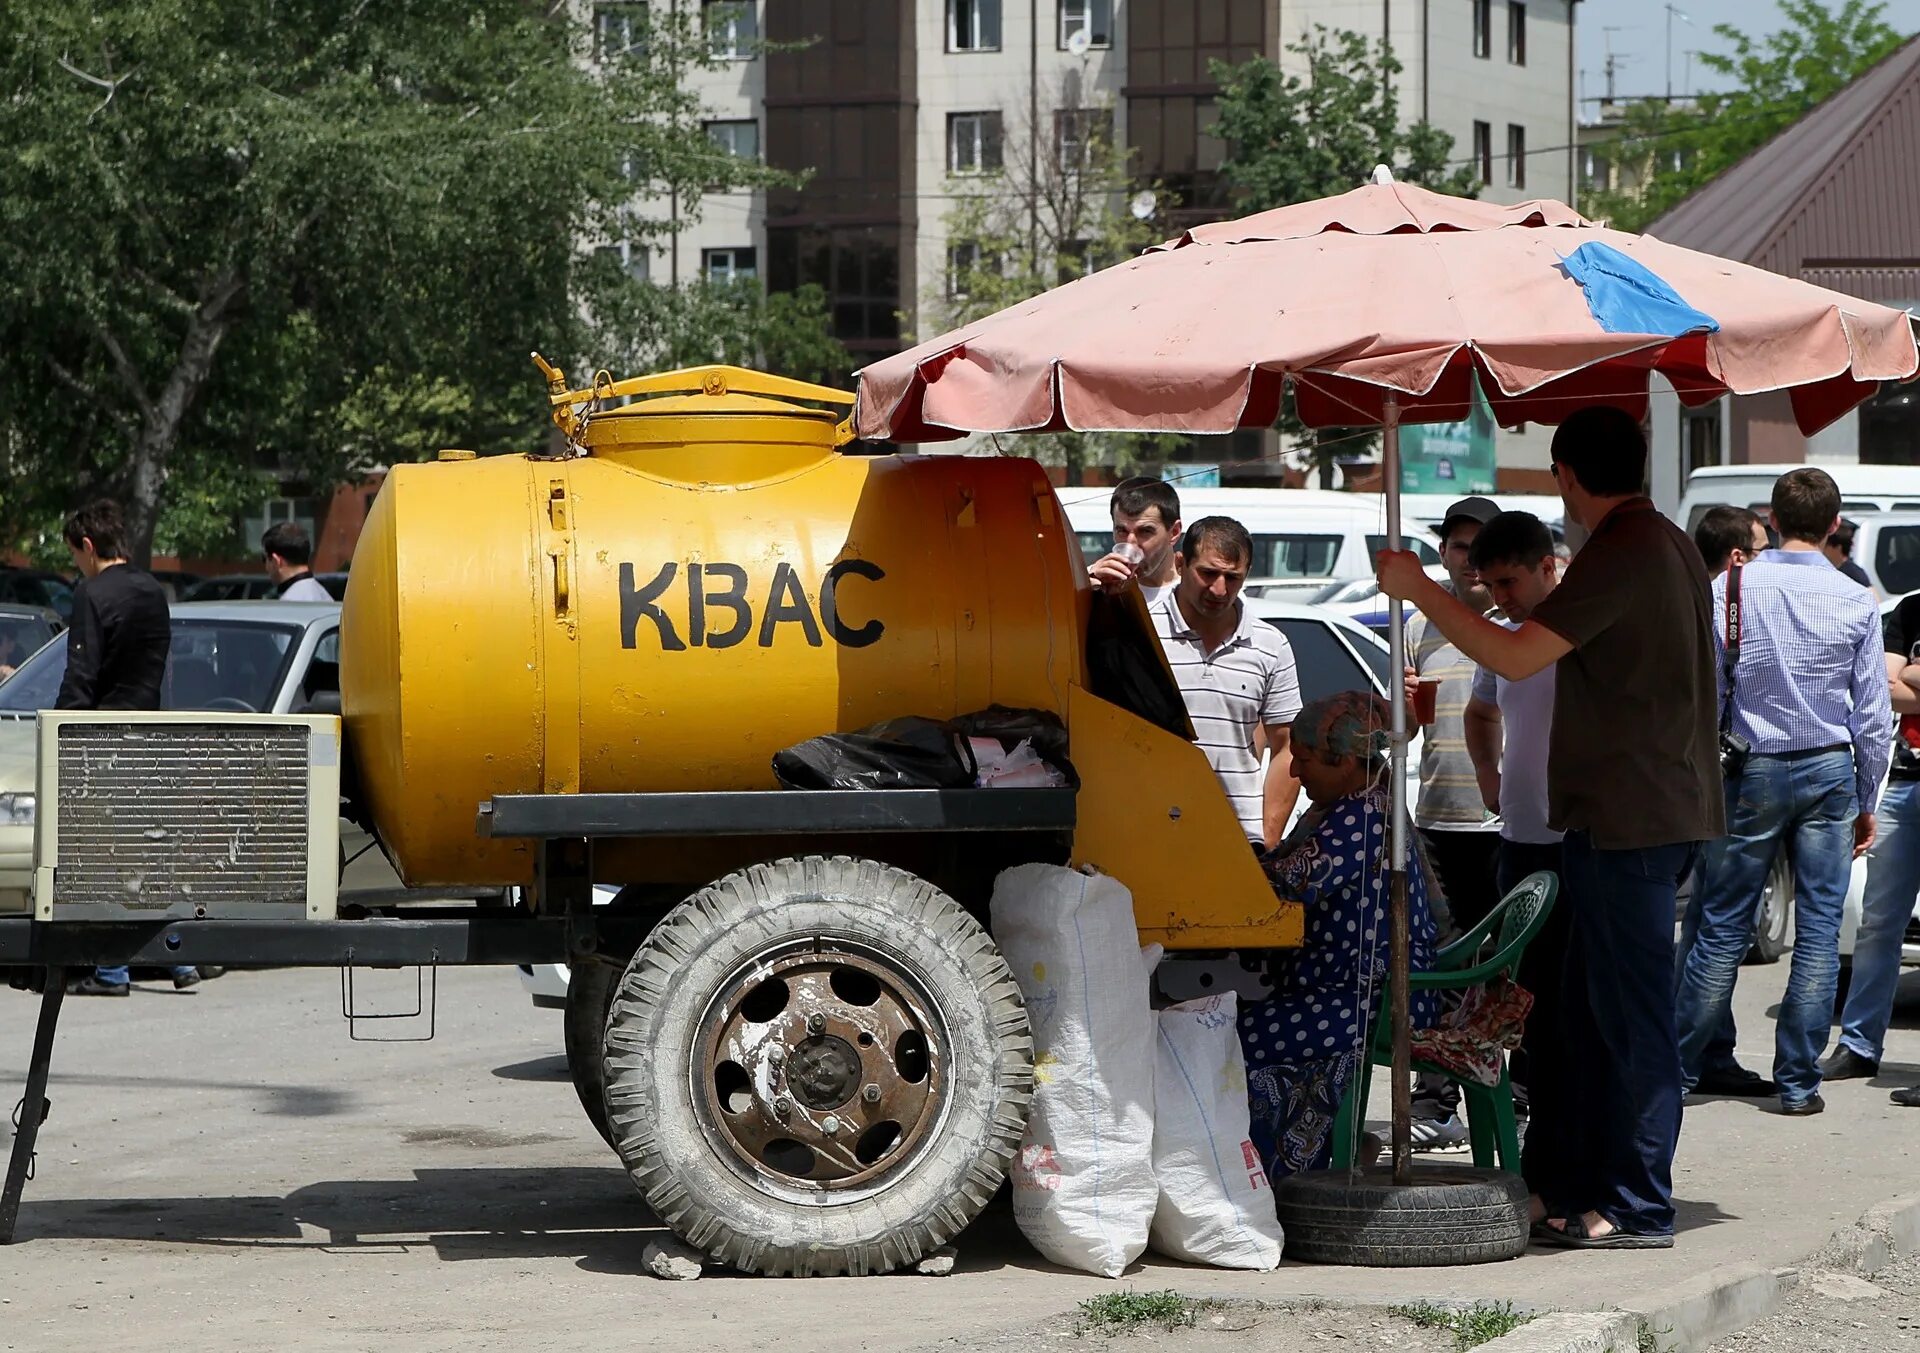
point(20, 637)
point(213, 665)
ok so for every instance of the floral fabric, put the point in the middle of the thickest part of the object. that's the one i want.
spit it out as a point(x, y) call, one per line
point(1303, 1043)
point(1469, 1042)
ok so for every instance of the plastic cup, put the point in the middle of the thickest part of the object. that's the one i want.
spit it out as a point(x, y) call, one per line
point(1426, 699)
point(1132, 553)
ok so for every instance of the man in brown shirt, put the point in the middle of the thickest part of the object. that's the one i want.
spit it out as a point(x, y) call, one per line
point(1633, 779)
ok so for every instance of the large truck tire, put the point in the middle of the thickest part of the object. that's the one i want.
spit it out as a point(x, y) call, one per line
point(590, 987)
point(1450, 1214)
point(818, 1066)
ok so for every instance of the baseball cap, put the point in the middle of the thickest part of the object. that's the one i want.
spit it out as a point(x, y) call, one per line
point(1482, 510)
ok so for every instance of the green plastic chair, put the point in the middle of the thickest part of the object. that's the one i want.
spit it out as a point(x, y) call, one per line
point(1491, 1128)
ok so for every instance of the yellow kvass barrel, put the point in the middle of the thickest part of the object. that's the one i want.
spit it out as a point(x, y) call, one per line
point(711, 581)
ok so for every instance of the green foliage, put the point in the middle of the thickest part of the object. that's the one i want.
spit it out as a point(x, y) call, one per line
point(1047, 217)
point(311, 236)
point(1480, 1323)
point(1293, 138)
point(638, 327)
point(1773, 82)
point(1129, 1311)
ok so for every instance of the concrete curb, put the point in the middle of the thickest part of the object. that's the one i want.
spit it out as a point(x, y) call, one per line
point(1692, 1314)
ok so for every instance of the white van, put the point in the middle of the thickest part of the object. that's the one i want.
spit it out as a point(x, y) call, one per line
point(1863, 489)
point(1303, 539)
point(1883, 499)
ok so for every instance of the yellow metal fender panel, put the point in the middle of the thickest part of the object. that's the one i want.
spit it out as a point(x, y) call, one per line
point(1152, 814)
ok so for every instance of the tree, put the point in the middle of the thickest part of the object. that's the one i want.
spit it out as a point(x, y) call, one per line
point(1294, 138)
point(1048, 205)
point(312, 234)
point(1772, 83)
point(644, 328)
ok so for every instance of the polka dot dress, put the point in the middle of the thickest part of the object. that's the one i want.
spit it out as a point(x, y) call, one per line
point(1302, 1044)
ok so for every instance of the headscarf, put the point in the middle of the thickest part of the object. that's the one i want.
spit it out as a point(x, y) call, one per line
point(1348, 723)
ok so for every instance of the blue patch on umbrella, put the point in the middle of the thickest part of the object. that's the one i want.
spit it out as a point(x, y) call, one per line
point(1625, 297)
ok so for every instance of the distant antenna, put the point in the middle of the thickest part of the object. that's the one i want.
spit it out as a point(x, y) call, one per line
point(1078, 44)
point(1142, 206)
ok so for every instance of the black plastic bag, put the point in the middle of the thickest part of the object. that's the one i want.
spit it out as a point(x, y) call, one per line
point(908, 753)
point(1041, 727)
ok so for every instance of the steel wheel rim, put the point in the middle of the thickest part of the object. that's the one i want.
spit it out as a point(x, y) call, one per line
point(789, 1054)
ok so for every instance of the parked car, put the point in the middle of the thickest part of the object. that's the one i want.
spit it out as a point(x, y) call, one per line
point(255, 587)
point(23, 631)
point(175, 581)
point(248, 657)
point(37, 587)
point(1863, 488)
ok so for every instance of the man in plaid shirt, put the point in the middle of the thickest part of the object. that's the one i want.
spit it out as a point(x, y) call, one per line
point(1809, 694)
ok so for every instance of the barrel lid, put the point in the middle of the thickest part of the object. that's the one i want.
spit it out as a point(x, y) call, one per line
point(702, 392)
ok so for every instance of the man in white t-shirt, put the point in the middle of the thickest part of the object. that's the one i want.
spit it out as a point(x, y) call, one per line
point(1146, 515)
point(1515, 558)
point(1236, 674)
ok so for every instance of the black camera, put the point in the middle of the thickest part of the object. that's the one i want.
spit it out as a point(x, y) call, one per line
point(1734, 751)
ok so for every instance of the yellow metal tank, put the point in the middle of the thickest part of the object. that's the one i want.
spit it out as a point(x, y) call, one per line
point(703, 580)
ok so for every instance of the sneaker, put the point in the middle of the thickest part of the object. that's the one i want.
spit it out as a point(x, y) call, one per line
point(93, 986)
point(183, 980)
point(1439, 1134)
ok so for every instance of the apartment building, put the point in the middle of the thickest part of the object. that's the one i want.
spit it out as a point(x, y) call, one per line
point(895, 105)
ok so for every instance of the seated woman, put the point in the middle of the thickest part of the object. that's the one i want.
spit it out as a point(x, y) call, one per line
point(1305, 1042)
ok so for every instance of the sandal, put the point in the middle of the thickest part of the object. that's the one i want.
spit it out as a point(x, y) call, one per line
point(1571, 1234)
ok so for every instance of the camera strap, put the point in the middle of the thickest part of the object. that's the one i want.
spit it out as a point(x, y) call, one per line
point(1732, 646)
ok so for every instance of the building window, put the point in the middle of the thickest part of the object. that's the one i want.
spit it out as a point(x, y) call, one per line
point(619, 31)
point(966, 261)
point(634, 259)
point(1516, 32)
point(1595, 171)
point(730, 265)
point(973, 143)
point(1516, 155)
point(973, 25)
point(858, 268)
point(739, 139)
point(1483, 150)
point(1078, 258)
point(1080, 135)
point(732, 28)
point(1483, 28)
point(1092, 17)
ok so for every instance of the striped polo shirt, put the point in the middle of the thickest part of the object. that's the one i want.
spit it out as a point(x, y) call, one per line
point(1248, 681)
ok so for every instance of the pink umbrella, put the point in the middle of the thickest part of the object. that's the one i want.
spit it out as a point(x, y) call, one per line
point(1382, 305)
point(1387, 291)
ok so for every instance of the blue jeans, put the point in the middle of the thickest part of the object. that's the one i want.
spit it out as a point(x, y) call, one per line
point(1623, 1110)
point(1805, 801)
point(1719, 1051)
point(117, 977)
point(1893, 879)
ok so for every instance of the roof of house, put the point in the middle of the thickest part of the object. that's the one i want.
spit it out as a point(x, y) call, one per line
point(1737, 214)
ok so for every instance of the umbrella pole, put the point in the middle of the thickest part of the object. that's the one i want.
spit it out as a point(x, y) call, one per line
point(1399, 990)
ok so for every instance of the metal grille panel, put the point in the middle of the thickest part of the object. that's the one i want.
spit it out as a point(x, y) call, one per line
point(182, 819)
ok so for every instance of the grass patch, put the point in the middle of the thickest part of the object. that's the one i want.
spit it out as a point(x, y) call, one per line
point(1129, 1312)
point(1480, 1323)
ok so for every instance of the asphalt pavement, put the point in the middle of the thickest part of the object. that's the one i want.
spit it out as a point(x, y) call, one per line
point(225, 1169)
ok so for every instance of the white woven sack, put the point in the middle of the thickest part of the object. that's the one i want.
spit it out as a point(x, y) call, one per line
point(1083, 1189)
point(1216, 1206)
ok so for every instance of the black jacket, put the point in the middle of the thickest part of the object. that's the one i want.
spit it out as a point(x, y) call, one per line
point(117, 642)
